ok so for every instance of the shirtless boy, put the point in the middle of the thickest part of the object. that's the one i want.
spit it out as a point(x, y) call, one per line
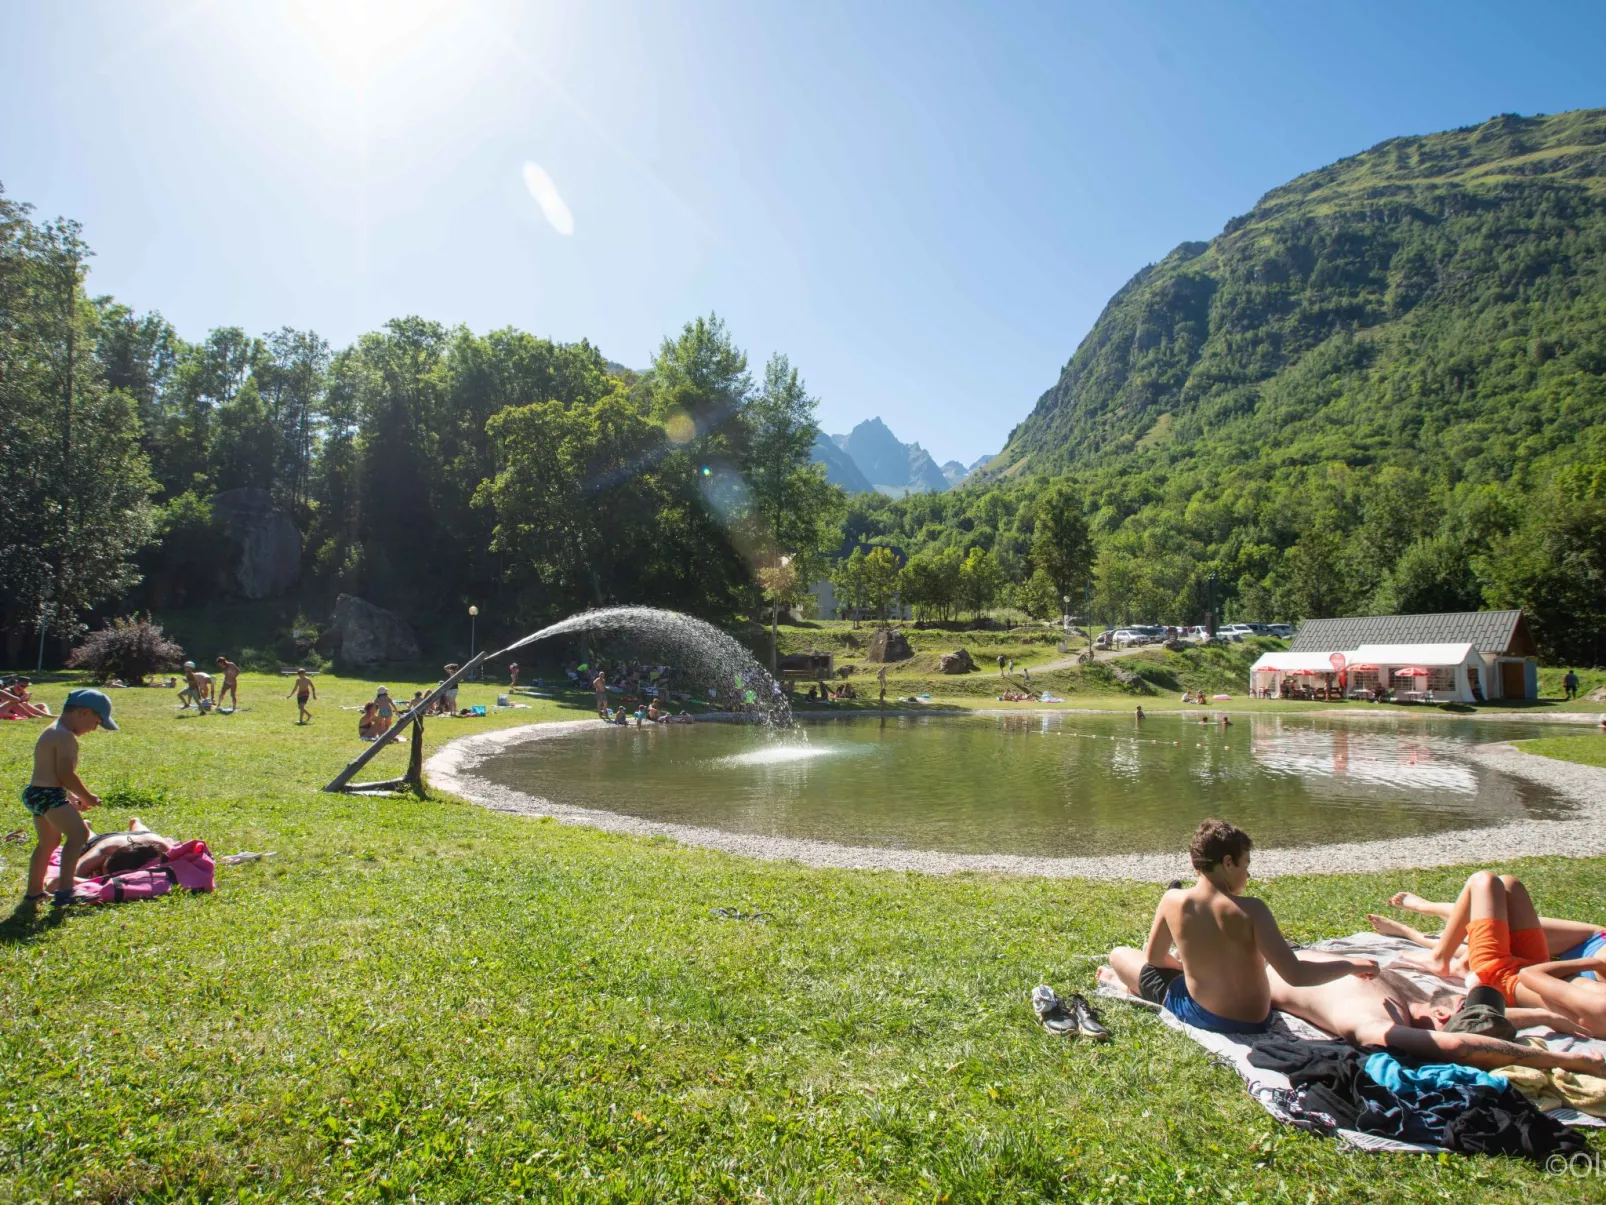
point(1390, 1011)
point(303, 689)
point(231, 683)
point(1225, 941)
point(56, 795)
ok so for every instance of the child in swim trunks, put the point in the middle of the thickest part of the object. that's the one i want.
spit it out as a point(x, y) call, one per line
point(303, 689)
point(1224, 941)
point(56, 795)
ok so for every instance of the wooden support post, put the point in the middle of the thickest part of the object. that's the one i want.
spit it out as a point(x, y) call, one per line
point(415, 760)
point(341, 780)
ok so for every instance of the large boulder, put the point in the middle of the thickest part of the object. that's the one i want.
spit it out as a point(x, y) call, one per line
point(266, 543)
point(889, 644)
point(360, 633)
point(956, 662)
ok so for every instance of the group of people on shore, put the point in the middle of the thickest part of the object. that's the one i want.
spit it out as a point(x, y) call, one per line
point(1216, 959)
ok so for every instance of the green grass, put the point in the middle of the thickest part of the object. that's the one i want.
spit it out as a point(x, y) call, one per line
point(1587, 750)
point(425, 1000)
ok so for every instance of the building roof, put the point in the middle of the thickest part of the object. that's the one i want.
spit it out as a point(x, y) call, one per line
point(1283, 663)
point(1488, 631)
point(1393, 655)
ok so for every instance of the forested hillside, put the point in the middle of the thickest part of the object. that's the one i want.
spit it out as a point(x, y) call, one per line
point(1380, 390)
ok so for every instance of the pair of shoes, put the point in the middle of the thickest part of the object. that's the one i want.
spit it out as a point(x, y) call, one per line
point(36, 897)
point(1066, 1019)
point(63, 898)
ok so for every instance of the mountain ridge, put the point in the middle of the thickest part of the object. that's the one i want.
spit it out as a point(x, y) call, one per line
point(1366, 260)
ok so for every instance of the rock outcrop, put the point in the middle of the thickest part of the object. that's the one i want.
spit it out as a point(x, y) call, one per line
point(266, 543)
point(360, 633)
point(956, 662)
point(889, 644)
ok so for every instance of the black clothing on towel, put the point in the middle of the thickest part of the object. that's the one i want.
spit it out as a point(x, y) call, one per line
point(1331, 1078)
point(1153, 982)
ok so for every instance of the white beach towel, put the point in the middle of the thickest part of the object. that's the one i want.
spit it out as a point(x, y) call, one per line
point(1270, 1087)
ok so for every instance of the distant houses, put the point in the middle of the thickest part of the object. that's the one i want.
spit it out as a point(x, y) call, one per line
point(1464, 656)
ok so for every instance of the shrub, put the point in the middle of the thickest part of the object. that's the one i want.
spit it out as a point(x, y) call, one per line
point(130, 648)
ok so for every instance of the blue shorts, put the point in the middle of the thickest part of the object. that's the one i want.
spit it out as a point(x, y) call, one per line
point(1189, 1011)
point(1590, 947)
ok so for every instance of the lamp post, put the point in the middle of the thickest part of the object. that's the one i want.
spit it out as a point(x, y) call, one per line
point(44, 605)
point(473, 615)
point(1210, 605)
point(1087, 615)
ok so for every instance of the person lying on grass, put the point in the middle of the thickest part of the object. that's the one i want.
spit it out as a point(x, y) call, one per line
point(1448, 1026)
point(114, 853)
point(1224, 941)
point(56, 795)
point(1564, 939)
point(1526, 957)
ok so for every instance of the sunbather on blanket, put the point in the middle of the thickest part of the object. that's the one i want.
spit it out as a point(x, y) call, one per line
point(1224, 939)
point(1446, 1027)
point(113, 853)
point(1564, 939)
point(1505, 935)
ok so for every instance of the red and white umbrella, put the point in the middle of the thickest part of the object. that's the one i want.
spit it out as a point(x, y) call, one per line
point(1413, 671)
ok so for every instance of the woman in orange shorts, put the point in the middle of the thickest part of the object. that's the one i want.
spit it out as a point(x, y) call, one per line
point(1503, 933)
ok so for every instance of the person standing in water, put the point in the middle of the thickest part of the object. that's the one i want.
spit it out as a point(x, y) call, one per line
point(303, 689)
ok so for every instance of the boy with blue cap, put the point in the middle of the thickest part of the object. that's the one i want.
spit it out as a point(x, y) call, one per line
point(56, 795)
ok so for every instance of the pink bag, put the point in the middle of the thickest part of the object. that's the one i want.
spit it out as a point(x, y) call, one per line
point(188, 866)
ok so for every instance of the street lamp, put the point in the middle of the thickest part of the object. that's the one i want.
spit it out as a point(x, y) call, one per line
point(44, 605)
point(1210, 605)
point(473, 613)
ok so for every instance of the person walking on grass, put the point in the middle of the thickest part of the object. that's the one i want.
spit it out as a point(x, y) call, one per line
point(55, 795)
point(303, 689)
point(231, 683)
point(1570, 684)
point(881, 681)
point(600, 685)
point(1001, 660)
point(513, 675)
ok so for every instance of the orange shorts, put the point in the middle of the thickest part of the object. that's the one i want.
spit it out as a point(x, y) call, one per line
point(1496, 954)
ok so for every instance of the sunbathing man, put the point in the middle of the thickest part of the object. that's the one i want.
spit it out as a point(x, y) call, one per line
point(1225, 941)
point(1446, 1027)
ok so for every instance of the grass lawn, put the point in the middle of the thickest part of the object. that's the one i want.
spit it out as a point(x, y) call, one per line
point(423, 1000)
point(1588, 749)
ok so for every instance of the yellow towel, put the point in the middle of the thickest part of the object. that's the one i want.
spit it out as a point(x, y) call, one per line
point(1556, 1089)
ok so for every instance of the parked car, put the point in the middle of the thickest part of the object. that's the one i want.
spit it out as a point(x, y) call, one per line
point(1104, 639)
point(1236, 632)
point(1125, 638)
point(1283, 631)
point(1195, 635)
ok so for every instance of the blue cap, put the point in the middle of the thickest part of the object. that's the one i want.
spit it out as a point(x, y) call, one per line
point(96, 701)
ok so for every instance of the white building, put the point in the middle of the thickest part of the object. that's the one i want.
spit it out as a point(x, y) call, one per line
point(1464, 657)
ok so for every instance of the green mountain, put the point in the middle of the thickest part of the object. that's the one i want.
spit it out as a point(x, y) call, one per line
point(1436, 302)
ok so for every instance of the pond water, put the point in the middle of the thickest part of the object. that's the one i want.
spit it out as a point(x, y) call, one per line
point(1054, 785)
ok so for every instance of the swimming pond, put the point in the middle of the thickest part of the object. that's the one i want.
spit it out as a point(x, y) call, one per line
point(1054, 785)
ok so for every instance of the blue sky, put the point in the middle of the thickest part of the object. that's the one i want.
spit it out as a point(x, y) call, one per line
point(924, 205)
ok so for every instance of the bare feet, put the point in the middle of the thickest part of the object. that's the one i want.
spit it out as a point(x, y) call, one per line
point(1106, 974)
point(1411, 903)
point(1389, 927)
point(1424, 962)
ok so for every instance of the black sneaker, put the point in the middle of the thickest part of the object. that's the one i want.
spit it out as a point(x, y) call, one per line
point(1053, 1014)
point(1087, 1021)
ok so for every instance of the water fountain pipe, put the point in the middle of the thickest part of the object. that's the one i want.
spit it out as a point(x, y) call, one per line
point(341, 781)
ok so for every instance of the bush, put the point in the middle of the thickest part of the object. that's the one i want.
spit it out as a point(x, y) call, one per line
point(130, 648)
